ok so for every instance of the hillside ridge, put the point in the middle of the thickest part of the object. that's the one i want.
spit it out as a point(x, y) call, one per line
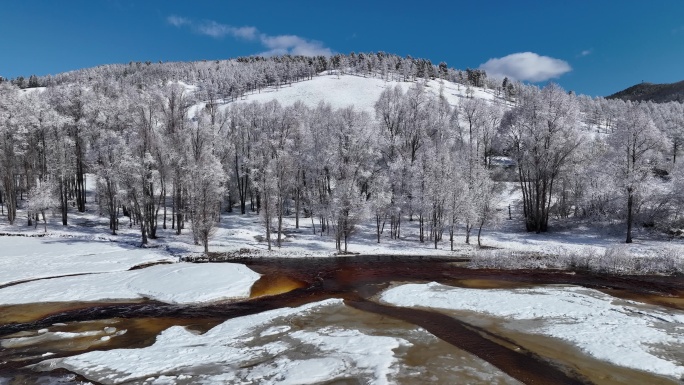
point(659, 93)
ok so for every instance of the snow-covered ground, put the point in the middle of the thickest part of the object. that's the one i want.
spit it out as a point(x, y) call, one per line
point(571, 237)
point(238, 232)
point(361, 92)
point(622, 332)
point(25, 258)
point(88, 234)
point(172, 283)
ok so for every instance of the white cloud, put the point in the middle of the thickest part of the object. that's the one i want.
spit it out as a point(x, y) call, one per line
point(217, 30)
point(526, 66)
point(293, 45)
point(275, 45)
point(177, 21)
point(586, 52)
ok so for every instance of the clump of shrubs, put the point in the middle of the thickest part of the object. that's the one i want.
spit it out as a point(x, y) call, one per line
point(618, 260)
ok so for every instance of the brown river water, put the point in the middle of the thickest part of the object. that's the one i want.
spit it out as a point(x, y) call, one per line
point(470, 340)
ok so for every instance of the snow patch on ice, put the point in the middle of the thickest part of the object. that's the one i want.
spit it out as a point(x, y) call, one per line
point(19, 342)
point(624, 333)
point(251, 349)
point(171, 283)
point(190, 283)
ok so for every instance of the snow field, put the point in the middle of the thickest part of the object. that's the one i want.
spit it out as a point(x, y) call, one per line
point(624, 333)
point(237, 232)
point(171, 283)
point(24, 258)
point(361, 92)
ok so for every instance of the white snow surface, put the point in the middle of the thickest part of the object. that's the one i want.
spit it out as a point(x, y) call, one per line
point(347, 90)
point(237, 352)
point(24, 258)
point(44, 336)
point(172, 283)
point(621, 332)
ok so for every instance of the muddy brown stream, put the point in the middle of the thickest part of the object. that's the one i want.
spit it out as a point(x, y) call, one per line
point(291, 282)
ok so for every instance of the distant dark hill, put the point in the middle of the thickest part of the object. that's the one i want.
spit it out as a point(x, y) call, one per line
point(659, 93)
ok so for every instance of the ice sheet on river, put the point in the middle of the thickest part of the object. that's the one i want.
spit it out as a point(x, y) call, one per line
point(622, 332)
point(321, 342)
point(250, 349)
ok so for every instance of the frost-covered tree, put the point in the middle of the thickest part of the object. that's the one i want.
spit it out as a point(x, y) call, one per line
point(318, 162)
point(541, 134)
point(272, 168)
point(175, 103)
point(12, 129)
point(71, 102)
point(457, 204)
point(107, 151)
point(435, 176)
point(140, 176)
point(354, 156)
point(636, 144)
point(484, 200)
point(403, 118)
point(669, 119)
point(111, 118)
point(41, 199)
point(205, 187)
point(240, 133)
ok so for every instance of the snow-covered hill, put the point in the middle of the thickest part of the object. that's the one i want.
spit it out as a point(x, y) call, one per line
point(362, 92)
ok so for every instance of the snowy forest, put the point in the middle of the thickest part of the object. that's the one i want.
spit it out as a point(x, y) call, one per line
point(171, 146)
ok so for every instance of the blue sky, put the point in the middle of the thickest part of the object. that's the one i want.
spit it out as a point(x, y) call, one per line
point(594, 47)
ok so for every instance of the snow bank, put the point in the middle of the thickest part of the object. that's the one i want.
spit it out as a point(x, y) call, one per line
point(24, 258)
point(621, 332)
point(194, 283)
point(173, 283)
point(260, 348)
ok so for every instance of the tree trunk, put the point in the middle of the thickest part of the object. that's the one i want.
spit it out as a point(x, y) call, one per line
point(345, 242)
point(377, 222)
point(297, 199)
point(451, 237)
point(436, 240)
point(178, 205)
point(163, 200)
point(267, 215)
point(280, 223)
point(421, 225)
point(630, 203)
point(468, 228)
point(479, 232)
point(64, 201)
